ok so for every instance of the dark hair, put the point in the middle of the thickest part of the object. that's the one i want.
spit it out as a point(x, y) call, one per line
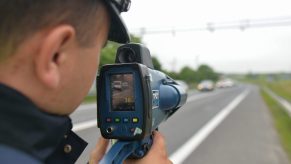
point(21, 18)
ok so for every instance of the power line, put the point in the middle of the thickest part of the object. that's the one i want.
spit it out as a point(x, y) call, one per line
point(214, 26)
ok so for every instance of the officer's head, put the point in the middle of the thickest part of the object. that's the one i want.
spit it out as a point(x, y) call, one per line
point(49, 49)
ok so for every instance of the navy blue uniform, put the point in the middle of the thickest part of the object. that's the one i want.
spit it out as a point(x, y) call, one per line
point(28, 135)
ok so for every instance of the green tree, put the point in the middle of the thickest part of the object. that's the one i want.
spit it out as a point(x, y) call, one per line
point(156, 63)
point(173, 75)
point(108, 53)
point(187, 74)
point(135, 39)
point(206, 72)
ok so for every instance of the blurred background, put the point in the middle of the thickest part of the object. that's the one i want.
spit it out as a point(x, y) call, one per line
point(234, 58)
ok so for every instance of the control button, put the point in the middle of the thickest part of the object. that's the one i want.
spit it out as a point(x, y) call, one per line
point(132, 130)
point(109, 130)
point(108, 119)
point(117, 120)
point(125, 120)
point(135, 120)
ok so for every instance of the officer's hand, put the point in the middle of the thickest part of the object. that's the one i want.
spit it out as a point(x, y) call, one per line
point(99, 151)
point(157, 153)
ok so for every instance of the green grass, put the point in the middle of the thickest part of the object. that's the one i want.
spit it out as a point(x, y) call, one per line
point(282, 122)
point(89, 99)
point(282, 88)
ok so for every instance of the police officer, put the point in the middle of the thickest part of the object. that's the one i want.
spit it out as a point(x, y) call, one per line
point(49, 55)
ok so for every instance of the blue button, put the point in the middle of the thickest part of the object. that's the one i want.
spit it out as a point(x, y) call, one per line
point(125, 120)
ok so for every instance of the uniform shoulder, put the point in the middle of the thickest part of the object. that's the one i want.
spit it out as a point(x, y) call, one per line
point(13, 156)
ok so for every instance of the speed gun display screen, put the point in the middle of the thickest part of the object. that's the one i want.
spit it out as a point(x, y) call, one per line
point(122, 92)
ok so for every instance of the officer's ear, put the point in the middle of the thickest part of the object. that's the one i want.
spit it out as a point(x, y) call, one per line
point(53, 54)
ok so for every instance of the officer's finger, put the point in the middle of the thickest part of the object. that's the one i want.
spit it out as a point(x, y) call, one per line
point(159, 143)
point(99, 151)
point(101, 146)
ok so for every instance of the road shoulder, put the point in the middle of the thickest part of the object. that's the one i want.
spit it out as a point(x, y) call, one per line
point(247, 135)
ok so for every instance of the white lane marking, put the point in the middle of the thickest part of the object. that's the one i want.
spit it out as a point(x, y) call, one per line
point(85, 125)
point(187, 148)
point(93, 123)
point(201, 96)
point(86, 107)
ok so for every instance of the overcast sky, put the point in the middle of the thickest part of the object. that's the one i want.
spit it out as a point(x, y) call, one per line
point(228, 51)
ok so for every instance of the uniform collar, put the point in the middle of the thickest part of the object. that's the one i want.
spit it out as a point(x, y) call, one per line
point(25, 127)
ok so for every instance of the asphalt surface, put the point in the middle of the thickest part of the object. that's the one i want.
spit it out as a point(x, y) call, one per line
point(244, 136)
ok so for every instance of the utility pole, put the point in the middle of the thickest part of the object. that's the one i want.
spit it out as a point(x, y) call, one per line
point(197, 61)
point(174, 63)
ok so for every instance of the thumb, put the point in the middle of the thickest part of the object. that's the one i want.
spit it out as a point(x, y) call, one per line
point(99, 151)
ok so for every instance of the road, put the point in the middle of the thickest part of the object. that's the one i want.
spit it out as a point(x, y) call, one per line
point(225, 126)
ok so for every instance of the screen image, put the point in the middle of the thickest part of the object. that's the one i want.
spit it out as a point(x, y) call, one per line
point(122, 92)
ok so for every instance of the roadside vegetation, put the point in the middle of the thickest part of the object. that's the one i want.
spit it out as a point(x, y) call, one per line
point(89, 99)
point(280, 84)
point(281, 88)
point(282, 122)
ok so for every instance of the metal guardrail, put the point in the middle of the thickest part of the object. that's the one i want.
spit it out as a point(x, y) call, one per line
point(282, 101)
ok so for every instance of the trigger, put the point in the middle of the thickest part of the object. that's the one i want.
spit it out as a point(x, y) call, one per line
point(146, 147)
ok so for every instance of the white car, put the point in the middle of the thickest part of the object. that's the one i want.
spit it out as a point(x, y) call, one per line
point(117, 85)
point(225, 83)
point(205, 85)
